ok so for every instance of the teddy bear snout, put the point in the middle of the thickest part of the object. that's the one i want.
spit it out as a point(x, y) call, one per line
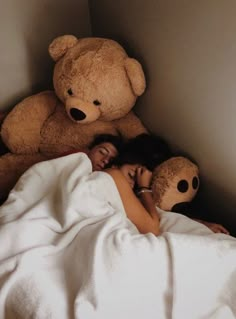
point(77, 114)
point(82, 112)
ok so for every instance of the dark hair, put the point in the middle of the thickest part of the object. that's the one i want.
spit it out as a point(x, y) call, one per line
point(145, 149)
point(115, 140)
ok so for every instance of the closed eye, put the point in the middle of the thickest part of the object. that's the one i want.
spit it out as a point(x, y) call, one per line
point(103, 151)
point(131, 175)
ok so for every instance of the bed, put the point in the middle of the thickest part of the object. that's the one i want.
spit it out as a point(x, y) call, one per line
point(68, 251)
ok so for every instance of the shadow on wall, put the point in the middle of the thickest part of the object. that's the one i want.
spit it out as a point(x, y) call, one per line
point(132, 51)
point(206, 207)
point(43, 21)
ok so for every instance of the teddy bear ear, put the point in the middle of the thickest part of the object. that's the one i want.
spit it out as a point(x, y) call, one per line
point(136, 75)
point(60, 45)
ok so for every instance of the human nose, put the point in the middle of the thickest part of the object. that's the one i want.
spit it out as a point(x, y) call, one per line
point(105, 159)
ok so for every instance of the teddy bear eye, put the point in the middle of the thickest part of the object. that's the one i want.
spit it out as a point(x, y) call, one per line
point(195, 182)
point(182, 186)
point(70, 92)
point(96, 102)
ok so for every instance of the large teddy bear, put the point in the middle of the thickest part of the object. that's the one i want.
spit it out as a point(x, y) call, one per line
point(96, 86)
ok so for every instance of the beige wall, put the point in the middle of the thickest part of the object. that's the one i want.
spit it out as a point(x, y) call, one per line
point(26, 30)
point(188, 50)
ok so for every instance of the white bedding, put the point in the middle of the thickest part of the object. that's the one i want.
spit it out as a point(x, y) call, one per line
point(68, 251)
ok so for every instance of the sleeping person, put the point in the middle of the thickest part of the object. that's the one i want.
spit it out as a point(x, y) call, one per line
point(103, 149)
point(142, 213)
point(131, 172)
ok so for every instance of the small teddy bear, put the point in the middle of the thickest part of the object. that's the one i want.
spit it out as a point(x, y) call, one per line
point(96, 86)
point(175, 183)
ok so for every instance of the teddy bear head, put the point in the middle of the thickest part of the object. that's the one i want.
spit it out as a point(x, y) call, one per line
point(175, 183)
point(94, 78)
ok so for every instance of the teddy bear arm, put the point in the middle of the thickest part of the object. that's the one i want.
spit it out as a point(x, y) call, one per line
point(21, 129)
point(130, 126)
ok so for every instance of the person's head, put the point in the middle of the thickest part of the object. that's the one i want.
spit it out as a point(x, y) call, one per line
point(143, 150)
point(103, 150)
point(146, 149)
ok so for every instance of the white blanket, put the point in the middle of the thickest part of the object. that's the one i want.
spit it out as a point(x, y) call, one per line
point(68, 251)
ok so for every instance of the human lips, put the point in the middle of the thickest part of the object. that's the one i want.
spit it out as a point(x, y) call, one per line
point(100, 167)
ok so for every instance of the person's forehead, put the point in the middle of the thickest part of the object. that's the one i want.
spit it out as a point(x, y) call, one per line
point(109, 147)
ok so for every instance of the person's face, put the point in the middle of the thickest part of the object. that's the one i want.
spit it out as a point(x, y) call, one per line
point(129, 171)
point(101, 155)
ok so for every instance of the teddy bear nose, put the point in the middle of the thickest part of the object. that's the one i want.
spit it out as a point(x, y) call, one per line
point(77, 114)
